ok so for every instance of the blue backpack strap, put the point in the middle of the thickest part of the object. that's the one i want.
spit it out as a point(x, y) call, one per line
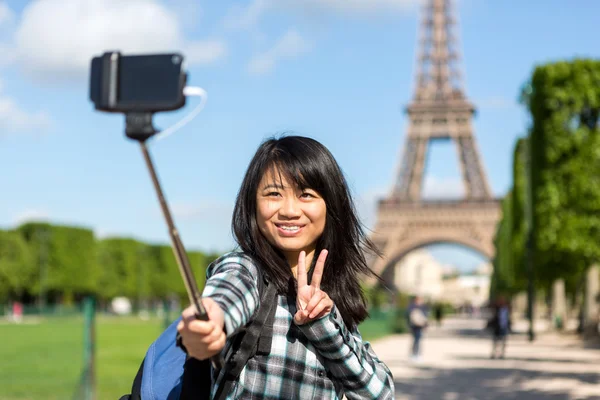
point(196, 380)
point(163, 367)
point(269, 298)
point(136, 388)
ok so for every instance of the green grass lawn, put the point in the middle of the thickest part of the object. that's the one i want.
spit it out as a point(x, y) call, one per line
point(43, 359)
point(376, 327)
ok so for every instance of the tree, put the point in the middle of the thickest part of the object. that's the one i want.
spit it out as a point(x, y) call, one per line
point(16, 268)
point(120, 263)
point(37, 237)
point(518, 224)
point(564, 101)
point(166, 279)
point(509, 275)
point(503, 275)
point(69, 254)
point(68, 262)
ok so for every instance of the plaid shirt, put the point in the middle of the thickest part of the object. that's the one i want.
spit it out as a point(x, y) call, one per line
point(318, 360)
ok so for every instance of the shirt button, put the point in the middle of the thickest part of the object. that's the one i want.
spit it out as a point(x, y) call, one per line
point(334, 313)
point(321, 374)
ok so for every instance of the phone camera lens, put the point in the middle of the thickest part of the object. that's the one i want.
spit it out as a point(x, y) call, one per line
point(176, 59)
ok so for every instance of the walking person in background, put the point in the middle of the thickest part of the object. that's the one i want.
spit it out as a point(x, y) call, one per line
point(500, 324)
point(417, 320)
point(17, 312)
point(438, 311)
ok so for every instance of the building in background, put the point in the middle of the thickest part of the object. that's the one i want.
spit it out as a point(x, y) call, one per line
point(468, 289)
point(419, 273)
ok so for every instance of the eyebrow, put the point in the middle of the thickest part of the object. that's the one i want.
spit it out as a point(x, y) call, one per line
point(273, 186)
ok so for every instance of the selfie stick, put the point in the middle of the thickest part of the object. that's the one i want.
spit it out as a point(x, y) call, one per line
point(138, 126)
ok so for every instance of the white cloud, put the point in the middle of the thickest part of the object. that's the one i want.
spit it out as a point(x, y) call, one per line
point(247, 17)
point(188, 12)
point(8, 54)
point(289, 46)
point(7, 15)
point(14, 119)
point(357, 7)
point(30, 215)
point(443, 188)
point(59, 37)
point(7, 26)
point(204, 52)
point(240, 17)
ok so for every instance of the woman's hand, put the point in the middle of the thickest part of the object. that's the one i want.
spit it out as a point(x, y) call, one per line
point(312, 303)
point(203, 339)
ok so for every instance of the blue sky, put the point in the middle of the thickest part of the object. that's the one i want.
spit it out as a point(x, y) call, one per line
point(338, 71)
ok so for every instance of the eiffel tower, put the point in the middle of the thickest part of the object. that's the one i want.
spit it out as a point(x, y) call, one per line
point(439, 110)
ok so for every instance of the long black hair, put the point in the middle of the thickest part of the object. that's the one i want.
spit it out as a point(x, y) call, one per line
point(308, 164)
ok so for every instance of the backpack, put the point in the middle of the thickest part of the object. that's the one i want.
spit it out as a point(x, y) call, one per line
point(417, 318)
point(167, 373)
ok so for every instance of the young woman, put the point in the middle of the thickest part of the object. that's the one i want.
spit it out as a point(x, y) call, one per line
point(294, 214)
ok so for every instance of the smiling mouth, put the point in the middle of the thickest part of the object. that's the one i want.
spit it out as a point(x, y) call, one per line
point(289, 228)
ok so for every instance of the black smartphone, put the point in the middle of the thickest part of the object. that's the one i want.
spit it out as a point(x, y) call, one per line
point(137, 83)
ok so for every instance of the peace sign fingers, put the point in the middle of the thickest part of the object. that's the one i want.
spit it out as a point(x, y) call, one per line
point(318, 273)
point(302, 276)
point(311, 301)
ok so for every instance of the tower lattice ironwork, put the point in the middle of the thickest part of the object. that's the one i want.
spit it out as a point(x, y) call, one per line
point(439, 110)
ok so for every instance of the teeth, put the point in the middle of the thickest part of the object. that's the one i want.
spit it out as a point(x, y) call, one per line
point(290, 228)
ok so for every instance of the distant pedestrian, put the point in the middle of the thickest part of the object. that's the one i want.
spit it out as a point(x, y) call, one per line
point(17, 312)
point(417, 320)
point(438, 312)
point(500, 324)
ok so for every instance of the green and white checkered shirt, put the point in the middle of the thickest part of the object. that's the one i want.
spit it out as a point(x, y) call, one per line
point(318, 360)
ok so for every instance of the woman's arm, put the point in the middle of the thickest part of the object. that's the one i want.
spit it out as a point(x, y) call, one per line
point(352, 362)
point(230, 297)
point(231, 284)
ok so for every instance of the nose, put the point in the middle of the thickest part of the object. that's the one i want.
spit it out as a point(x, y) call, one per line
point(290, 207)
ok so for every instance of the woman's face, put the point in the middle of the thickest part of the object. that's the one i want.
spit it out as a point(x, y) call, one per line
point(291, 219)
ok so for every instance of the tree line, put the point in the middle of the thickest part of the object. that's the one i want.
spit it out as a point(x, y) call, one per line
point(61, 264)
point(551, 215)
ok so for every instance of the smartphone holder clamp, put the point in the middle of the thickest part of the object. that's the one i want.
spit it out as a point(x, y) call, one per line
point(139, 126)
